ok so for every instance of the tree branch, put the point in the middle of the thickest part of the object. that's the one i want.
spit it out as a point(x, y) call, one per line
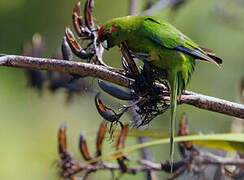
point(58, 65)
point(105, 73)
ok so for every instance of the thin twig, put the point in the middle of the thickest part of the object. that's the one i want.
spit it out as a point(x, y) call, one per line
point(85, 69)
point(202, 158)
point(209, 158)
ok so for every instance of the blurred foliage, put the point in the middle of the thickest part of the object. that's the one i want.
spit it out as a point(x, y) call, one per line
point(30, 121)
point(6, 5)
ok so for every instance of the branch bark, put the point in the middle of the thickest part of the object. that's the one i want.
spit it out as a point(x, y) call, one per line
point(58, 65)
point(105, 73)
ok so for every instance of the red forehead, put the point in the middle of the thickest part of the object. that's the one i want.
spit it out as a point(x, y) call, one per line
point(101, 31)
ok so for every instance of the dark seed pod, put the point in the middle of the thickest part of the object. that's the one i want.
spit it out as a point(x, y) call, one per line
point(75, 47)
point(184, 131)
point(77, 19)
point(36, 79)
point(67, 55)
point(131, 65)
point(89, 5)
point(125, 64)
point(115, 91)
point(122, 137)
point(121, 145)
point(100, 137)
point(83, 148)
point(104, 112)
point(62, 142)
point(66, 51)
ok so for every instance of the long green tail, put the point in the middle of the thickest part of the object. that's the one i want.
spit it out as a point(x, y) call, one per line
point(173, 103)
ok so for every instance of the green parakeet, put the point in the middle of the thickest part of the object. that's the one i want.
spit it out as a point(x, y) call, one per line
point(163, 46)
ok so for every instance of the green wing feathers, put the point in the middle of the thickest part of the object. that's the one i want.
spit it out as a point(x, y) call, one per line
point(169, 37)
point(167, 34)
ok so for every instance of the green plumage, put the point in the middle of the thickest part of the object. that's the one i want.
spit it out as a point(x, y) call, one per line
point(161, 44)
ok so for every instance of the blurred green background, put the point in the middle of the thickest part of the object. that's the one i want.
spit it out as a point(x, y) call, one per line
point(30, 120)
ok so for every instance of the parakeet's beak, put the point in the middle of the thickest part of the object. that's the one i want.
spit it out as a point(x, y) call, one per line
point(105, 44)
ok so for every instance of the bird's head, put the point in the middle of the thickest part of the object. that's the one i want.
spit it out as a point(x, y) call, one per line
point(108, 35)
